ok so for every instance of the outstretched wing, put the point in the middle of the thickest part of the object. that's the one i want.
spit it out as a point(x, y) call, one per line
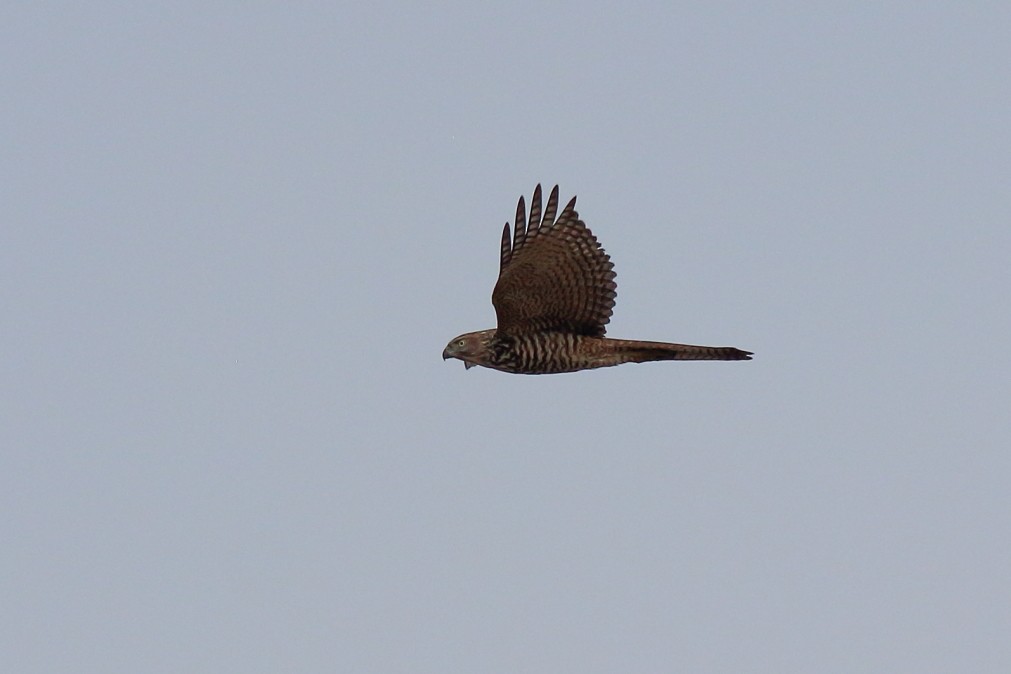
point(553, 274)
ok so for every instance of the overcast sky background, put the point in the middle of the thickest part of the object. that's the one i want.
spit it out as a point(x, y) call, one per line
point(235, 240)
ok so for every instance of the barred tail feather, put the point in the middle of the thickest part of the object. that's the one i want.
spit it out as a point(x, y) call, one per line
point(634, 351)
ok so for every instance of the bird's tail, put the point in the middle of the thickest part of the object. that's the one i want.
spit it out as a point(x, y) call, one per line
point(635, 351)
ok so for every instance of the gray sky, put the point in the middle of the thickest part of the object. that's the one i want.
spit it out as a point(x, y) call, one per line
point(235, 241)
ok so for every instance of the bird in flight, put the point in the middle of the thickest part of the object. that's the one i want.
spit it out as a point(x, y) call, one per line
point(554, 295)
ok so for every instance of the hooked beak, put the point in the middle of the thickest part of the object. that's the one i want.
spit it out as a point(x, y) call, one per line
point(446, 355)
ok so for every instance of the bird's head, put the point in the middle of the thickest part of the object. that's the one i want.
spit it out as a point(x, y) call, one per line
point(471, 348)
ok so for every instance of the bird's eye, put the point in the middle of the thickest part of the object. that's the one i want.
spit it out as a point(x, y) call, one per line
point(461, 342)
